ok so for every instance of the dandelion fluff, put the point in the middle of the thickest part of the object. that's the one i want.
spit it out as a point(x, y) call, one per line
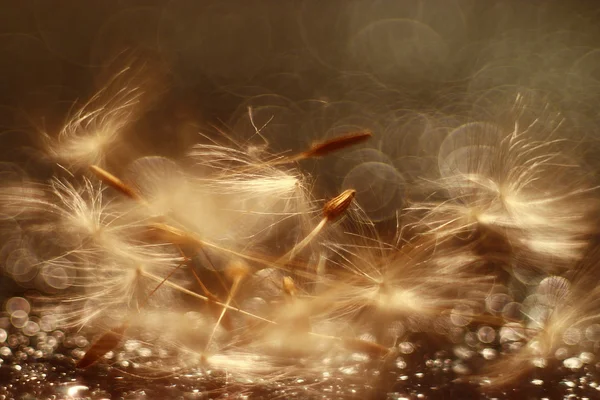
point(97, 249)
point(512, 186)
point(250, 204)
point(97, 126)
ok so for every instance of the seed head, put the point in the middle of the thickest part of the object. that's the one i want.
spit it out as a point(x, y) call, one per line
point(336, 206)
point(337, 143)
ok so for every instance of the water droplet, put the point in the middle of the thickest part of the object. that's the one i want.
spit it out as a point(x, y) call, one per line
point(512, 311)
point(489, 353)
point(463, 352)
point(573, 363)
point(471, 339)
point(76, 391)
point(400, 363)
point(352, 370)
point(406, 347)
point(397, 396)
point(486, 334)
point(570, 384)
point(81, 341)
point(5, 351)
point(587, 357)
point(553, 290)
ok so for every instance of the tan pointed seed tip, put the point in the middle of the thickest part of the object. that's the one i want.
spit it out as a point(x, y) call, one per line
point(339, 204)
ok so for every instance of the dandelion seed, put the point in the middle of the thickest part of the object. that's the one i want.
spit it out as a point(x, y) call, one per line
point(237, 198)
point(319, 149)
point(331, 211)
point(338, 205)
point(512, 195)
point(98, 125)
point(335, 144)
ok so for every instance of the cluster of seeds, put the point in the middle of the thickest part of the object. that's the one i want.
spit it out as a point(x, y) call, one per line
point(227, 260)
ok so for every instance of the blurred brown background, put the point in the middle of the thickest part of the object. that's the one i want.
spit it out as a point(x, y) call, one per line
point(316, 65)
point(311, 68)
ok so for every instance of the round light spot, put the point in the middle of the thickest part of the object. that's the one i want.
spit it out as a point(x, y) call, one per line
point(56, 277)
point(379, 188)
point(18, 304)
point(31, 328)
point(571, 336)
point(19, 318)
point(486, 334)
point(573, 363)
point(461, 315)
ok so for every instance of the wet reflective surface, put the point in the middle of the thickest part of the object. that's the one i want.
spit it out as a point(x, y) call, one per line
point(42, 366)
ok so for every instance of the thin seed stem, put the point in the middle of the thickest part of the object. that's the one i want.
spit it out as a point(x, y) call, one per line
point(232, 292)
point(290, 255)
point(348, 342)
point(204, 298)
point(331, 211)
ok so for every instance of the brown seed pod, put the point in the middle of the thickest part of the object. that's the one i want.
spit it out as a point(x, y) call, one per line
point(337, 143)
point(114, 182)
point(107, 342)
point(336, 206)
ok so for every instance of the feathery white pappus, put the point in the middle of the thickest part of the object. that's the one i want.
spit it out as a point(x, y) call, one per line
point(518, 188)
point(92, 245)
point(97, 126)
point(250, 197)
point(222, 259)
